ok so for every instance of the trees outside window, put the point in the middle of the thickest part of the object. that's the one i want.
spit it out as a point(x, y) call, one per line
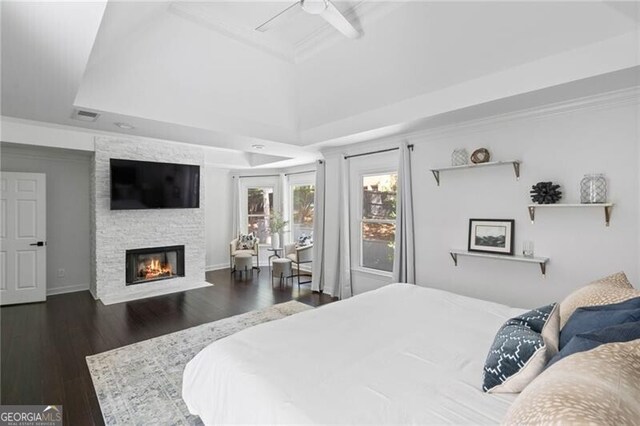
point(259, 207)
point(302, 210)
point(378, 221)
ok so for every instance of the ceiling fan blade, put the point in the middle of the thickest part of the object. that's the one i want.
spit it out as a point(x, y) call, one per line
point(333, 16)
point(265, 26)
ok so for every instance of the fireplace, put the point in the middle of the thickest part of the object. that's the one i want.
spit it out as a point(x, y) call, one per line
point(153, 264)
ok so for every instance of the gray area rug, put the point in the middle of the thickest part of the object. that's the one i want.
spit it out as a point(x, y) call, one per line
point(141, 384)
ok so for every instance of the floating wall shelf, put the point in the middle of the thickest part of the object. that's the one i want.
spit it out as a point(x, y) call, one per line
point(542, 261)
point(514, 163)
point(608, 207)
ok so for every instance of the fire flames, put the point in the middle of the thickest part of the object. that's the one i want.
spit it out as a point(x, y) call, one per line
point(153, 268)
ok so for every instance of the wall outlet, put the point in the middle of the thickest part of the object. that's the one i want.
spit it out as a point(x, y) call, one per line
point(61, 273)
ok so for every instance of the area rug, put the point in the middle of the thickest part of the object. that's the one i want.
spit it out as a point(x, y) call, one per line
point(141, 384)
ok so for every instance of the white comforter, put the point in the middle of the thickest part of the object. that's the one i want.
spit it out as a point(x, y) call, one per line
point(402, 354)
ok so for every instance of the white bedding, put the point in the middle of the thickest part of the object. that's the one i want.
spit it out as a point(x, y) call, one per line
point(401, 354)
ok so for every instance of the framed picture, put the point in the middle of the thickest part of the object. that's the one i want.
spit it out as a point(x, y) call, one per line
point(491, 235)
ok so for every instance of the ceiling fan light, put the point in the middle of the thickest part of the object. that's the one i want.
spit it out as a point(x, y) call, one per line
point(314, 7)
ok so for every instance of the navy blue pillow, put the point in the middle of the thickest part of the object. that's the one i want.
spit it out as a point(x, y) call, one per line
point(627, 304)
point(517, 342)
point(586, 341)
point(589, 319)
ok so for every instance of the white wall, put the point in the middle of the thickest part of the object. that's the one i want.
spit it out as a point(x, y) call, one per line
point(68, 214)
point(562, 148)
point(218, 210)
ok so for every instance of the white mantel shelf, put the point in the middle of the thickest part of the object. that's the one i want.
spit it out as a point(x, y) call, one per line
point(608, 207)
point(514, 163)
point(542, 261)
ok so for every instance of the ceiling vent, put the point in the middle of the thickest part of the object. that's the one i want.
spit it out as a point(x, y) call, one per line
point(83, 115)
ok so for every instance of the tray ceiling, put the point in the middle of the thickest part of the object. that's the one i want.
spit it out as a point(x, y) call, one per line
point(199, 72)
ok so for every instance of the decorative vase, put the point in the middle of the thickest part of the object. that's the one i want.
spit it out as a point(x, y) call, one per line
point(459, 157)
point(593, 189)
point(275, 240)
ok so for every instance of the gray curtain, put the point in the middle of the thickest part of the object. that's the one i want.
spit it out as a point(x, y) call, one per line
point(317, 279)
point(404, 265)
point(344, 289)
point(235, 219)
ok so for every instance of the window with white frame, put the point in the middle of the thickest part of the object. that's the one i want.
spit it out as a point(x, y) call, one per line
point(260, 204)
point(378, 220)
point(301, 208)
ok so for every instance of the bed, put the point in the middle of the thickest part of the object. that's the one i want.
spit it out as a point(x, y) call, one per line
point(400, 354)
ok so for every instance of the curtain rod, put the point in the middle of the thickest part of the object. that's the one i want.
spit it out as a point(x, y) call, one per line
point(254, 176)
point(299, 173)
point(346, 157)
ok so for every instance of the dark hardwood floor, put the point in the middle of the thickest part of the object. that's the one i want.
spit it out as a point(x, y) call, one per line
point(44, 345)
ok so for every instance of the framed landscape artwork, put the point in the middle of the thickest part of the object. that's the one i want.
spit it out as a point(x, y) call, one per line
point(491, 235)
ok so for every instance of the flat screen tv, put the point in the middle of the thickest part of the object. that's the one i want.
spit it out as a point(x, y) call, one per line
point(148, 185)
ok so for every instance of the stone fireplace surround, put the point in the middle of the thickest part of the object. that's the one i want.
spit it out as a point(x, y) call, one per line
point(113, 232)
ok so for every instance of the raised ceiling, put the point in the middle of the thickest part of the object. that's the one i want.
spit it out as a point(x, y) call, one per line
point(200, 73)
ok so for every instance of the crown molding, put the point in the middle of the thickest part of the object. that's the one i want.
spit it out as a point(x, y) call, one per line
point(613, 99)
point(34, 152)
point(607, 100)
point(363, 14)
point(198, 14)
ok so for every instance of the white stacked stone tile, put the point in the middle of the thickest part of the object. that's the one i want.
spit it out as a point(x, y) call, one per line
point(115, 231)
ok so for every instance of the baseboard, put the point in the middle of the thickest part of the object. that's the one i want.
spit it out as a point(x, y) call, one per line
point(95, 296)
point(217, 267)
point(304, 268)
point(67, 289)
point(209, 268)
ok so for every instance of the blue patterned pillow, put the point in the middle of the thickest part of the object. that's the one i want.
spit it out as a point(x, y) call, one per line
point(521, 350)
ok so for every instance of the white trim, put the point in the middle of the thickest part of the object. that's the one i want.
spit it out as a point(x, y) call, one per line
point(271, 182)
point(301, 179)
point(42, 134)
point(37, 152)
point(216, 267)
point(305, 267)
point(67, 289)
point(369, 271)
point(612, 99)
point(203, 16)
point(368, 172)
point(365, 12)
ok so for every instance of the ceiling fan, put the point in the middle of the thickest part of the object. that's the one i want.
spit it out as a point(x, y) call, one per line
point(324, 8)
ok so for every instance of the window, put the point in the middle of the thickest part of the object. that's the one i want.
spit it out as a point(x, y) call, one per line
point(378, 221)
point(259, 205)
point(302, 210)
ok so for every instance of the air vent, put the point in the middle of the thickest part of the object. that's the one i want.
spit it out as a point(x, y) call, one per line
point(83, 115)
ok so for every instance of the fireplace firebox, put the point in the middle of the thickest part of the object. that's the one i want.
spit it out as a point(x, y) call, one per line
point(153, 264)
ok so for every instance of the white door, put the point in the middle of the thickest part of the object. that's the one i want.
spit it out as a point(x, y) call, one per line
point(23, 236)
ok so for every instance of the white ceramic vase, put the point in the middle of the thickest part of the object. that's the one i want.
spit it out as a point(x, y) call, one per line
point(275, 240)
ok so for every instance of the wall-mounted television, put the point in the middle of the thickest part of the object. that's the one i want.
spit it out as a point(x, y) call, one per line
point(149, 185)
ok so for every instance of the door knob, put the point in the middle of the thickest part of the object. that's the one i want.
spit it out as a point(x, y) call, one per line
point(39, 244)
